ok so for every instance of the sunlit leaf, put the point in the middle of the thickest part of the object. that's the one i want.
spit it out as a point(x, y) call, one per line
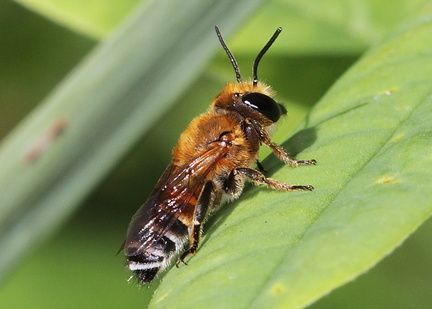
point(372, 137)
point(325, 26)
point(313, 26)
point(94, 18)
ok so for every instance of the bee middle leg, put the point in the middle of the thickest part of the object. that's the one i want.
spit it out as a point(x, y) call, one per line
point(260, 167)
point(204, 201)
point(259, 178)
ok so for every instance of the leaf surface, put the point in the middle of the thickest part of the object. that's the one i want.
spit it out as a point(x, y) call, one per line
point(371, 135)
point(93, 18)
point(324, 26)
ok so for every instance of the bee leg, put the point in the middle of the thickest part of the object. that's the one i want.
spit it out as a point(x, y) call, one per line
point(230, 183)
point(258, 178)
point(261, 167)
point(204, 201)
point(278, 150)
point(284, 157)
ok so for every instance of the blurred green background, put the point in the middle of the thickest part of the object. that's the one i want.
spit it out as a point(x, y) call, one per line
point(78, 267)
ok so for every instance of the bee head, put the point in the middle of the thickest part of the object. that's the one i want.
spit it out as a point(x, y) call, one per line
point(250, 99)
point(256, 102)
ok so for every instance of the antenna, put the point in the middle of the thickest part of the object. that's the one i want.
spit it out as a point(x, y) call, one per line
point(231, 56)
point(261, 54)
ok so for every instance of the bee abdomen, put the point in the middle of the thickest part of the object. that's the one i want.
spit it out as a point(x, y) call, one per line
point(147, 264)
point(145, 267)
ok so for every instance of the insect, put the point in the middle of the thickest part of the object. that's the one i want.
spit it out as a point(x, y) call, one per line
point(211, 162)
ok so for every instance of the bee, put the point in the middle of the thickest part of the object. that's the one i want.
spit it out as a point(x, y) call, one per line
point(211, 162)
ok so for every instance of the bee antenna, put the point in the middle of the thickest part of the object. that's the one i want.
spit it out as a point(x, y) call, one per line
point(230, 56)
point(261, 54)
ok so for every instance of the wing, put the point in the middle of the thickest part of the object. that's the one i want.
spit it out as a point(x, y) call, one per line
point(171, 203)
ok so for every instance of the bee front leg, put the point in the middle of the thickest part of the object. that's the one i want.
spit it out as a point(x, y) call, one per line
point(282, 155)
point(201, 210)
point(258, 178)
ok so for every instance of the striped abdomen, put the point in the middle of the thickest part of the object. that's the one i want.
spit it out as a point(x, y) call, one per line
point(155, 249)
point(159, 229)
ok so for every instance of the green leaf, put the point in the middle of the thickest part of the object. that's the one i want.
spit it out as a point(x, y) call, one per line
point(325, 26)
point(94, 18)
point(371, 135)
point(314, 26)
point(58, 154)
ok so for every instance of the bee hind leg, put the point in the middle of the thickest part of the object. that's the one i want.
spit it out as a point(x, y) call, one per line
point(201, 210)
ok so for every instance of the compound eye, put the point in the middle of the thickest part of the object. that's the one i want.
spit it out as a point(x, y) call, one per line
point(263, 104)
